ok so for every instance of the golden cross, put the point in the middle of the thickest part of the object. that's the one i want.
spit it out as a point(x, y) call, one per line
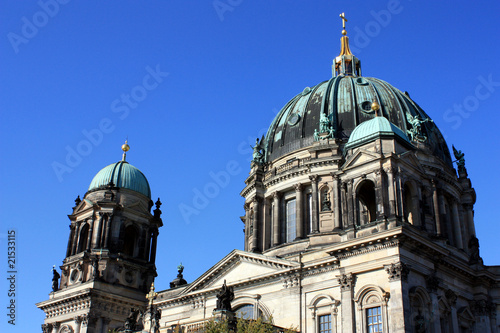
point(152, 295)
point(344, 20)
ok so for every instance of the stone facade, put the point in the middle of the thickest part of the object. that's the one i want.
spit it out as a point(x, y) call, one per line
point(365, 226)
point(109, 264)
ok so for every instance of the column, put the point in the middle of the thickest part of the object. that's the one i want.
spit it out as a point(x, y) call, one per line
point(246, 206)
point(314, 210)
point(105, 324)
point(98, 228)
point(315, 324)
point(107, 232)
point(432, 287)
point(452, 301)
point(391, 193)
point(399, 193)
point(346, 282)
point(350, 204)
point(399, 301)
point(256, 224)
point(457, 227)
point(148, 244)
point(299, 212)
point(470, 219)
point(379, 196)
point(89, 236)
point(276, 218)
point(76, 235)
point(343, 202)
point(336, 202)
point(70, 239)
point(355, 205)
point(55, 327)
point(78, 323)
point(436, 208)
point(153, 246)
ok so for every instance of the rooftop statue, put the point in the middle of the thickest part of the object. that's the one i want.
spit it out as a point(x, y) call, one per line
point(224, 298)
point(258, 151)
point(460, 159)
point(324, 123)
point(415, 132)
point(55, 279)
point(133, 320)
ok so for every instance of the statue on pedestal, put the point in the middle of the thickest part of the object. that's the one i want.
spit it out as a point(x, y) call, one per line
point(224, 298)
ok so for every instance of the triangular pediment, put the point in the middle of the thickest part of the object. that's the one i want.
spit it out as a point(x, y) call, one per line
point(413, 161)
point(239, 266)
point(360, 157)
point(84, 205)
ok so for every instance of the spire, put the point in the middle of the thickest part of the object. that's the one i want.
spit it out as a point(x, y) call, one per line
point(125, 148)
point(346, 64)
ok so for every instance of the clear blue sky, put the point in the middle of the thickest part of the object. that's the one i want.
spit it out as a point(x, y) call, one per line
point(230, 69)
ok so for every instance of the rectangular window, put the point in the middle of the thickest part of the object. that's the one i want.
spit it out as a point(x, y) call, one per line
point(291, 222)
point(374, 320)
point(325, 324)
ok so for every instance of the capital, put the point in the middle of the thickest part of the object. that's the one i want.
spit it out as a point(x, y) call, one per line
point(397, 271)
point(313, 178)
point(346, 281)
point(298, 187)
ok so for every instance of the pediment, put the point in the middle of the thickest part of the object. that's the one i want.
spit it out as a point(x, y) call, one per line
point(84, 205)
point(412, 160)
point(361, 156)
point(239, 266)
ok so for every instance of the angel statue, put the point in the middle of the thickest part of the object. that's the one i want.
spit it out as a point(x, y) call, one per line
point(324, 123)
point(258, 151)
point(416, 131)
point(460, 159)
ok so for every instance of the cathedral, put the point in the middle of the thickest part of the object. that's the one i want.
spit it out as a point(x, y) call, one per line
point(356, 218)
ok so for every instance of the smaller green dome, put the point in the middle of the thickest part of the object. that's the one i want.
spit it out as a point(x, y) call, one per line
point(373, 129)
point(122, 175)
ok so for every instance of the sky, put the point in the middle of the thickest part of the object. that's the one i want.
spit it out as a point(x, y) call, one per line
point(191, 84)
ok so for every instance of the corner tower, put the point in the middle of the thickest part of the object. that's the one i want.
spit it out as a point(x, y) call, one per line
point(110, 257)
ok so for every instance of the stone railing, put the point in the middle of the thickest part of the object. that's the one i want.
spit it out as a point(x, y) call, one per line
point(286, 167)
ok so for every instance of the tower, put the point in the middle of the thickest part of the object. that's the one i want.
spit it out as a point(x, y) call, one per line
point(110, 257)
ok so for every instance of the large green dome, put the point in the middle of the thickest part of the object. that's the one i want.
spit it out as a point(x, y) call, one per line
point(122, 175)
point(346, 100)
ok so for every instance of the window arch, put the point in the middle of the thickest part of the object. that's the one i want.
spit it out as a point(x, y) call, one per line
point(367, 211)
point(420, 305)
point(324, 313)
point(251, 307)
point(371, 303)
point(246, 311)
point(130, 240)
point(82, 240)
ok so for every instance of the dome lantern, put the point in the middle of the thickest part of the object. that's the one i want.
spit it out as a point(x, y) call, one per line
point(346, 64)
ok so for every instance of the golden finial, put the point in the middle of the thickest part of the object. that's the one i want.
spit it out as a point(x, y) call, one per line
point(125, 148)
point(152, 294)
point(375, 107)
point(344, 20)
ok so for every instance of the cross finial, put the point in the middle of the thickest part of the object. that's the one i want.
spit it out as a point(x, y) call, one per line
point(344, 20)
point(152, 295)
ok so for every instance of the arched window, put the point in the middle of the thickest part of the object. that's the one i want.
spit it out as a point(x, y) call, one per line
point(372, 309)
point(245, 311)
point(366, 202)
point(129, 240)
point(420, 304)
point(82, 241)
